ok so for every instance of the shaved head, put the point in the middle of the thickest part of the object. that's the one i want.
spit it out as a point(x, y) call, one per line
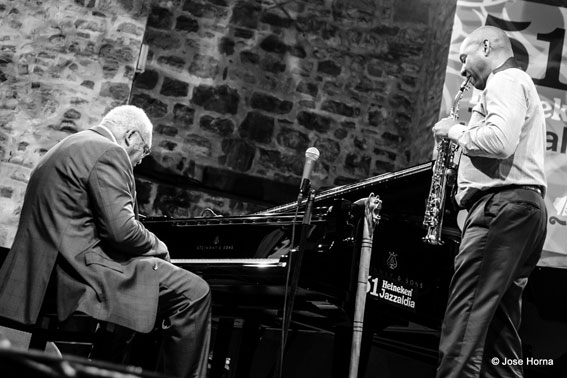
point(484, 50)
point(498, 40)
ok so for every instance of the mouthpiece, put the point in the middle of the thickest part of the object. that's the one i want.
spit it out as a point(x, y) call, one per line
point(465, 84)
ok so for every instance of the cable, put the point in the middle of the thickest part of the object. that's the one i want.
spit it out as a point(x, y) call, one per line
point(287, 283)
point(209, 210)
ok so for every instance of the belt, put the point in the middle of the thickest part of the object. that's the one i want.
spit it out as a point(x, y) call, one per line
point(481, 193)
point(533, 188)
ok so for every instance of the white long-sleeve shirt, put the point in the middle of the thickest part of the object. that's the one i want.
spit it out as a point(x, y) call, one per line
point(504, 141)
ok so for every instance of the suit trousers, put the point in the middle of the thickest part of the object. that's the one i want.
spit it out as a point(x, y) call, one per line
point(184, 326)
point(502, 241)
point(185, 309)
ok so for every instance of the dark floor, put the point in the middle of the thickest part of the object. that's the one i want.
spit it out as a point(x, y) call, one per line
point(398, 352)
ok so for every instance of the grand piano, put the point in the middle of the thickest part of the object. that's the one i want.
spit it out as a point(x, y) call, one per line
point(246, 259)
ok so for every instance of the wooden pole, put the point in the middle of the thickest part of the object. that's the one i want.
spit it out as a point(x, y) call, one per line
point(372, 207)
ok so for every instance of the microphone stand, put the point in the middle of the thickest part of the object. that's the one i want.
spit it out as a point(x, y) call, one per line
point(295, 268)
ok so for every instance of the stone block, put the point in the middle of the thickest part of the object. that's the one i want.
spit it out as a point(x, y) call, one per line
point(175, 62)
point(164, 40)
point(204, 66)
point(329, 149)
point(174, 202)
point(153, 107)
point(238, 154)
point(187, 24)
point(243, 33)
point(276, 20)
point(340, 108)
point(391, 137)
point(384, 166)
point(198, 146)
point(385, 154)
point(270, 103)
point(166, 130)
point(284, 164)
point(358, 165)
point(292, 139)
point(308, 88)
point(340, 133)
point(257, 127)
point(249, 57)
point(205, 10)
point(110, 68)
point(297, 51)
point(160, 18)
point(222, 99)
point(147, 79)
point(411, 12)
point(168, 145)
point(117, 91)
point(183, 115)
point(174, 88)
point(246, 14)
point(226, 46)
point(273, 44)
point(314, 121)
point(88, 84)
point(6, 192)
point(272, 64)
point(221, 126)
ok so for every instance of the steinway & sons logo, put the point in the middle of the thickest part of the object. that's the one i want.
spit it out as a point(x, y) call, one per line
point(216, 244)
point(392, 262)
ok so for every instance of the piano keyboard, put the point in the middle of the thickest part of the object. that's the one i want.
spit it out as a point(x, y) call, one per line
point(252, 262)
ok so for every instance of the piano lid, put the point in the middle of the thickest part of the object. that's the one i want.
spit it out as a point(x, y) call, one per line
point(406, 179)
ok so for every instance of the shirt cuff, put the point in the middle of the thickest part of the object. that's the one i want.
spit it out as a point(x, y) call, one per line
point(455, 132)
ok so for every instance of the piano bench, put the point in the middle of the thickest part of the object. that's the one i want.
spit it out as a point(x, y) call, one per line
point(77, 329)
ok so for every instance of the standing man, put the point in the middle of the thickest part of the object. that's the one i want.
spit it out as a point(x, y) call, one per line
point(501, 182)
point(79, 229)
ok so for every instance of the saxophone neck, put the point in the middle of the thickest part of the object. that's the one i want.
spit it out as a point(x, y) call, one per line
point(465, 84)
point(455, 108)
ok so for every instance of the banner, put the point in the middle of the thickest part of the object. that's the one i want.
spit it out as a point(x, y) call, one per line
point(537, 32)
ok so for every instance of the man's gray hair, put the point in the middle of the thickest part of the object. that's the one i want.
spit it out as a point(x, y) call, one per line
point(127, 117)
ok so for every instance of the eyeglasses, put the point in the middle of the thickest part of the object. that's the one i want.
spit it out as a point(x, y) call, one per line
point(147, 149)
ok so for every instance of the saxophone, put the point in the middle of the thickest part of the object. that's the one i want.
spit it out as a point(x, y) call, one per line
point(444, 173)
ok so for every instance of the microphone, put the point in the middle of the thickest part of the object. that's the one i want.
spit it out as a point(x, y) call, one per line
point(311, 156)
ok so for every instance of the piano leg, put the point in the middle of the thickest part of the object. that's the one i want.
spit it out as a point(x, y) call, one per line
point(251, 333)
point(240, 360)
point(343, 341)
point(220, 350)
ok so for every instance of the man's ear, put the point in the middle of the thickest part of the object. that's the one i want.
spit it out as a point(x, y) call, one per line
point(127, 137)
point(486, 44)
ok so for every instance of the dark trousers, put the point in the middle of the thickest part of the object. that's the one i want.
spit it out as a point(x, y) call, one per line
point(184, 324)
point(502, 241)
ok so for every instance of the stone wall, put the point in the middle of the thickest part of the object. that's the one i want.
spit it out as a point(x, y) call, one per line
point(63, 64)
point(239, 89)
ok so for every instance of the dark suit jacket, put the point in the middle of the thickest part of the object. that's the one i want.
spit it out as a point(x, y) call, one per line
point(78, 220)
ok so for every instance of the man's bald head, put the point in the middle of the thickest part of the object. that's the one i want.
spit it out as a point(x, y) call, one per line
point(484, 50)
point(497, 39)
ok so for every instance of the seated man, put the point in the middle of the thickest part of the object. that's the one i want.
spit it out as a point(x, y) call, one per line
point(79, 223)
